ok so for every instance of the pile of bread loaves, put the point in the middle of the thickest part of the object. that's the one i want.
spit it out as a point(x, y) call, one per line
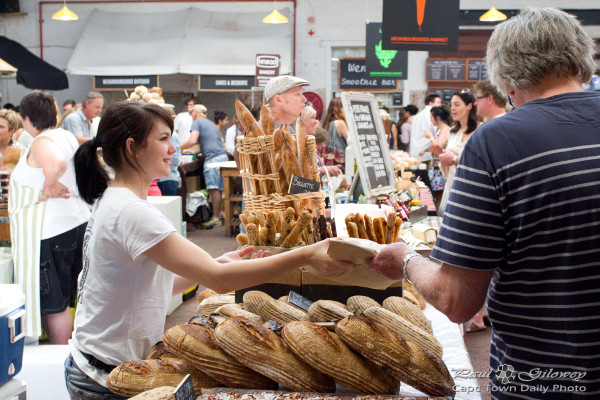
point(153, 95)
point(282, 229)
point(380, 230)
point(266, 342)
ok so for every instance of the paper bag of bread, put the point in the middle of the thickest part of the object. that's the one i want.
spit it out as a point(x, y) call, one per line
point(360, 252)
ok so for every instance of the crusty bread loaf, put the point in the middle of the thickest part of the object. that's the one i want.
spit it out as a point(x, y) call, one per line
point(303, 156)
point(324, 351)
point(253, 299)
point(358, 303)
point(408, 311)
point(327, 310)
point(408, 287)
point(406, 361)
point(159, 393)
point(267, 122)
point(281, 312)
point(196, 344)
point(209, 305)
point(405, 329)
point(134, 377)
point(205, 294)
point(236, 310)
point(265, 352)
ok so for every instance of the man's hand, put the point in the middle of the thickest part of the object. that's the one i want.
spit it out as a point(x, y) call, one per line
point(56, 191)
point(389, 260)
point(447, 157)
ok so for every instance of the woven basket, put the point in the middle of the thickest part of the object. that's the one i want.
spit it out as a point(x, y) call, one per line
point(257, 197)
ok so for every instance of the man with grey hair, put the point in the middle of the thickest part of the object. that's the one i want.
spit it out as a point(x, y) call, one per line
point(80, 122)
point(491, 103)
point(284, 96)
point(523, 220)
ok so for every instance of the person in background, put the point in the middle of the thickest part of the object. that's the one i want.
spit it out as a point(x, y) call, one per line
point(421, 124)
point(47, 221)
point(522, 225)
point(231, 134)
point(68, 104)
point(334, 152)
point(490, 102)
point(206, 134)
point(222, 121)
point(387, 123)
point(80, 122)
point(183, 120)
point(283, 95)
point(464, 115)
point(168, 186)
point(309, 116)
point(126, 275)
point(322, 137)
point(10, 152)
point(401, 130)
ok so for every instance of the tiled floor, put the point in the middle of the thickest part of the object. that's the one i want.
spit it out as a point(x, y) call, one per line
point(215, 243)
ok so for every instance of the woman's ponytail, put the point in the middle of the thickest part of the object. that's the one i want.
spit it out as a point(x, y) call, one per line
point(91, 176)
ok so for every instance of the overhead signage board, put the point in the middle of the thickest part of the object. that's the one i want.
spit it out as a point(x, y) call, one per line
point(384, 63)
point(225, 82)
point(442, 69)
point(124, 82)
point(476, 69)
point(352, 75)
point(425, 25)
point(369, 143)
point(267, 67)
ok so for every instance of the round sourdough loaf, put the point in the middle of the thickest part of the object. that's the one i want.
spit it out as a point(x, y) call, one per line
point(281, 312)
point(196, 344)
point(327, 310)
point(253, 299)
point(405, 361)
point(358, 304)
point(262, 350)
point(324, 351)
point(236, 310)
point(408, 311)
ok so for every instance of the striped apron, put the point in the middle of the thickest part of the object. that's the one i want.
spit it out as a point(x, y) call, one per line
point(26, 222)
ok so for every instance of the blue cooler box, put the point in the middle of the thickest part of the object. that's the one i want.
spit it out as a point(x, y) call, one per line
point(12, 331)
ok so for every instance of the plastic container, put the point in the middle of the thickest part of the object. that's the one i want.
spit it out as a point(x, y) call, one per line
point(12, 331)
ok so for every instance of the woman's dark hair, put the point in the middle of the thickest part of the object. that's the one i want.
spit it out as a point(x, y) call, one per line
point(412, 109)
point(472, 122)
point(39, 107)
point(121, 121)
point(219, 116)
point(442, 113)
point(335, 111)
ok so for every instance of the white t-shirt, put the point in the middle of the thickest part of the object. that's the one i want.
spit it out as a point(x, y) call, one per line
point(230, 135)
point(61, 215)
point(418, 142)
point(123, 295)
point(183, 126)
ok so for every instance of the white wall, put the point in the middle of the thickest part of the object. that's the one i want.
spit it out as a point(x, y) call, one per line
point(338, 23)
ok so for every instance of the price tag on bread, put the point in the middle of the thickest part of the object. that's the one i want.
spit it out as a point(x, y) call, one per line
point(360, 252)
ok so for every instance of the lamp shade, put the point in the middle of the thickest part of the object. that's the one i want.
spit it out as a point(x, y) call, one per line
point(493, 15)
point(64, 14)
point(275, 18)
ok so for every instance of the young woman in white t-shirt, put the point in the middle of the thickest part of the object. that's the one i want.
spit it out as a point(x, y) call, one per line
point(123, 291)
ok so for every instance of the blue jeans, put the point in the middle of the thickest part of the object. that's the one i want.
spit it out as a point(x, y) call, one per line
point(82, 387)
point(212, 176)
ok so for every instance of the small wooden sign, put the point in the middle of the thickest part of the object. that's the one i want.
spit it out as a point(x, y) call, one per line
point(299, 301)
point(302, 185)
point(185, 390)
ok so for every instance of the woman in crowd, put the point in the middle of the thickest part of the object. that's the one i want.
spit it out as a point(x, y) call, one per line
point(441, 120)
point(334, 152)
point(128, 280)
point(9, 150)
point(47, 221)
point(464, 114)
point(401, 129)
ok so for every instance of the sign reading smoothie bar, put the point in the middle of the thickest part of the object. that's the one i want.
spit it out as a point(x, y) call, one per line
point(353, 75)
point(425, 25)
point(369, 143)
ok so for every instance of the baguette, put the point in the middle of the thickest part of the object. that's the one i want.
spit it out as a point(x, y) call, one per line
point(303, 156)
point(244, 219)
point(289, 161)
point(262, 236)
point(261, 218)
point(397, 225)
point(360, 224)
point(247, 120)
point(271, 227)
point(378, 227)
point(290, 139)
point(352, 229)
point(369, 228)
point(262, 350)
point(278, 138)
point(242, 239)
point(294, 235)
point(267, 122)
point(390, 220)
point(326, 352)
point(252, 232)
point(253, 219)
point(383, 227)
point(287, 224)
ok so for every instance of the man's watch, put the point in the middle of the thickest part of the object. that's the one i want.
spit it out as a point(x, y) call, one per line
point(405, 261)
point(454, 160)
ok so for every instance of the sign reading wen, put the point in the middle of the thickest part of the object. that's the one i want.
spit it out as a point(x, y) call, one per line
point(426, 25)
point(353, 76)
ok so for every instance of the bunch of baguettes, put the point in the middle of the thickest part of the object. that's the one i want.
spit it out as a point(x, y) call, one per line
point(283, 229)
point(371, 349)
point(291, 155)
point(380, 230)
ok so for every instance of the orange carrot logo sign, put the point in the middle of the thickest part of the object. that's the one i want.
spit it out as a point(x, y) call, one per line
point(420, 12)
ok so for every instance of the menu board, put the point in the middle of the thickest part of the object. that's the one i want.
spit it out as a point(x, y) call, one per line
point(440, 69)
point(477, 69)
point(369, 143)
point(353, 75)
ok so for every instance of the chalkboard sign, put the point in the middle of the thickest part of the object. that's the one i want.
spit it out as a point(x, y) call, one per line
point(477, 69)
point(369, 143)
point(299, 185)
point(353, 75)
point(439, 69)
point(299, 301)
point(185, 390)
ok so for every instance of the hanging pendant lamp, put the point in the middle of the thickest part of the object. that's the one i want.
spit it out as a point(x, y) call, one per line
point(64, 14)
point(275, 17)
point(493, 15)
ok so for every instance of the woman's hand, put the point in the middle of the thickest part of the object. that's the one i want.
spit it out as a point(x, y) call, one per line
point(238, 255)
point(321, 263)
point(56, 191)
point(333, 170)
point(447, 157)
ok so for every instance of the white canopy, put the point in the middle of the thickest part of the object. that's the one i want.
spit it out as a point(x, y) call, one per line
point(190, 41)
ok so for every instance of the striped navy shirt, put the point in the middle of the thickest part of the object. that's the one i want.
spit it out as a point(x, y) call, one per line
point(525, 203)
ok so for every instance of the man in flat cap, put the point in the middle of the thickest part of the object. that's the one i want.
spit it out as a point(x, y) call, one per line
point(284, 96)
